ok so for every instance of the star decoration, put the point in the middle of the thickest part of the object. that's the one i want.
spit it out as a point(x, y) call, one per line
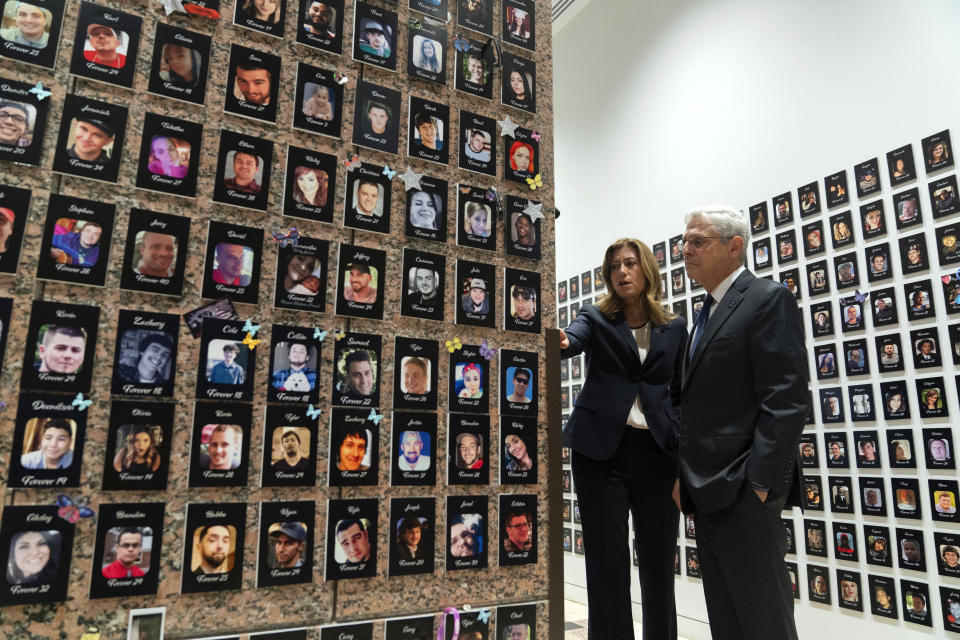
point(507, 127)
point(534, 211)
point(411, 180)
point(172, 5)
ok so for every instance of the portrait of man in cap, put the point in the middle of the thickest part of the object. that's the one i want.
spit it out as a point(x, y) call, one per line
point(105, 45)
point(358, 287)
point(475, 301)
point(289, 539)
point(91, 135)
point(375, 39)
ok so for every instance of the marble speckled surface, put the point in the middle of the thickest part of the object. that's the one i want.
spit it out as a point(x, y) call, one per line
point(321, 602)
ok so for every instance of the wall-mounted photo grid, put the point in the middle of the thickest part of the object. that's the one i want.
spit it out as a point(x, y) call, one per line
point(270, 278)
point(871, 254)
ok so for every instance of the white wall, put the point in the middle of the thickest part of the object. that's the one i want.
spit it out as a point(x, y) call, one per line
point(661, 105)
point(664, 104)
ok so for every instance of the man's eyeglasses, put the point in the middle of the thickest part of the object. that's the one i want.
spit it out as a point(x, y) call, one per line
point(519, 525)
point(526, 295)
point(521, 381)
point(699, 242)
point(16, 117)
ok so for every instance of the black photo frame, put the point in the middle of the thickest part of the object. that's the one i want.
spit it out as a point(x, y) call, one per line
point(285, 554)
point(310, 185)
point(475, 293)
point(812, 233)
point(376, 117)
point(59, 335)
point(98, 129)
point(521, 159)
point(519, 24)
point(422, 286)
point(14, 208)
point(519, 83)
point(36, 525)
point(415, 374)
point(164, 145)
point(220, 448)
point(295, 359)
point(467, 543)
point(253, 84)
point(428, 130)
point(367, 199)
point(155, 253)
point(137, 455)
point(918, 297)
point(320, 25)
point(521, 294)
point(352, 527)
point(243, 181)
point(900, 165)
point(783, 209)
point(38, 47)
point(27, 115)
point(474, 67)
point(413, 454)
point(180, 64)
point(127, 551)
point(477, 146)
point(234, 256)
point(226, 365)
point(361, 273)
point(809, 198)
point(105, 45)
point(518, 442)
point(289, 447)
point(518, 530)
point(375, 36)
point(145, 354)
point(318, 105)
point(425, 213)
point(943, 196)
point(469, 380)
point(427, 48)
point(213, 531)
point(76, 240)
point(877, 258)
point(301, 281)
point(906, 204)
point(476, 218)
point(47, 424)
point(358, 370)
point(523, 233)
point(937, 151)
point(412, 536)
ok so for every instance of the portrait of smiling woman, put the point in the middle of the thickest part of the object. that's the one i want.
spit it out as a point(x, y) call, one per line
point(424, 210)
point(181, 65)
point(310, 186)
point(34, 557)
point(263, 10)
point(624, 435)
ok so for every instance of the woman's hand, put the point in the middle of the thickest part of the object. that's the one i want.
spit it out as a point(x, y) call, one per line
point(675, 494)
point(564, 340)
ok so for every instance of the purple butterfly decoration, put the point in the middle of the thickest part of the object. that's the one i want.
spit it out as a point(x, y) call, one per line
point(292, 237)
point(858, 297)
point(71, 511)
point(486, 350)
point(536, 136)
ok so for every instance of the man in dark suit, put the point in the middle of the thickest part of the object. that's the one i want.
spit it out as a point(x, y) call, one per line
point(744, 404)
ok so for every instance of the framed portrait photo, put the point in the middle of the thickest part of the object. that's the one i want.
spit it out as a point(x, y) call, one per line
point(473, 68)
point(30, 32)
point(937, 151)
point(61, 342)
point(234, 256)
point(425, 214)
point(137, 456)
point(318, 105)
point(24, 116)
point(320, 24)
point(76, 240)
point(127, 551)
point(301, 281)
point(900, 165)
point(253, 79)
point(170, 151)
point(477, 147)
point(180, 64)
point(244, 165)
point(145, 354)
point(476, 218)
point(376, 117)
point(519, 23)
point(310, 184)
point(519, 88)
point(105, 44)
point(286, 543)
point(426, 50)
point(428, 135)
point(361, 285)
point(375, 36)
point(39, 547)
point(867, 175)
point(521, 156)
point(266, 18)
point(422, 289)
point(289, 447)
point(213, 547)
point(48, 440)
point(155, 252)
point(91, 139)
point(413, 528)
point(943, 196)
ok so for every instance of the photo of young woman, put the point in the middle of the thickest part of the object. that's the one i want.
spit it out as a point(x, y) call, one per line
point(310, 186)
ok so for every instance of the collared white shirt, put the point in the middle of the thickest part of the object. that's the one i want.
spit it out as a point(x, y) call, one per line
point(721, 290)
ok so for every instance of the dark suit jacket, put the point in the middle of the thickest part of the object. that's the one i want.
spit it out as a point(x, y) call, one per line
point(614, 378)
point(745, 398)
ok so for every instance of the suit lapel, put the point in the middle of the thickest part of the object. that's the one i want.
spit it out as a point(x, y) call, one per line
point(630, 342)
point(656, 337)
point(721, 312)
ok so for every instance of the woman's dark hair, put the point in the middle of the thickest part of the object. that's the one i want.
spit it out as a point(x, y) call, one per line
point(611, 303)
point(430, 63)
point(49, 570)
point(298, 194)
point(523, 78)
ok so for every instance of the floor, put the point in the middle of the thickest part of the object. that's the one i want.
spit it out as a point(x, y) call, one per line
point(576, 622)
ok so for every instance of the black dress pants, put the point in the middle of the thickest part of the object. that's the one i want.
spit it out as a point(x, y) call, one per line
point(745, 581)
point(637, 479)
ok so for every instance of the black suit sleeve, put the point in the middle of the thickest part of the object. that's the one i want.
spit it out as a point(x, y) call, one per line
point(778, 360)
point(579, 333)
point(677, 382)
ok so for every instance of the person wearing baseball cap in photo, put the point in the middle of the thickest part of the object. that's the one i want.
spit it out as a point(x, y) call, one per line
point(289, 539)
point(376, 39)
point(7, 216)
point(358, 288)
point(104, 45)
point(475, 301)
point(90, 135)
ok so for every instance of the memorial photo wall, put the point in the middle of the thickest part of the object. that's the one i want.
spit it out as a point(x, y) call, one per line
point(869, 253)
point(259, 327)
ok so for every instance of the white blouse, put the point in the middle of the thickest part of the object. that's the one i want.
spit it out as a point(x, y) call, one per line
point(636, 418)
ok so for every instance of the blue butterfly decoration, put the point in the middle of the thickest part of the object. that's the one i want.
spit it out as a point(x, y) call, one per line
point(388, 172)
point(80, 403)
point(313, 413)
point(290, 238)
point(483, 615)
point(249, 327)
point(318, 334)
point(40, 92)
point(462, 44)
point(376, 417)
point(71, 511)
point(486, 350)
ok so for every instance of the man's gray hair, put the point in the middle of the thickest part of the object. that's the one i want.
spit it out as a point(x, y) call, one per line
point(725, 221)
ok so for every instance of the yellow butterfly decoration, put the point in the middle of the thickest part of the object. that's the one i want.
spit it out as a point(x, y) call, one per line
point(341, 335)
point(454, 345)
point(534, 182)
point(250, 342)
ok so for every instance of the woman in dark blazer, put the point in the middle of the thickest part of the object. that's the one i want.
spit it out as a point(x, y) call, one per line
point(623, 432)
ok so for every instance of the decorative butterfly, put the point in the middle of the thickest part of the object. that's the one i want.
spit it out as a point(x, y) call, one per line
point(291, 238)
point(946, 279)
point(71, 511)
point(172, 5)
point(483, 615)
point(3, 405)
point(486, 350)
point(376, 417)
point(491, 194)
point(352, 163)
point(535, 135)
point(461, 44)
point(80, 403)
point(340, 78)
point(318, 334)
point(313, 413)
point(341, 335)
point(251, 328)
point(465, 190)
point(92, 633)
point(388, 172)
point(205, 12)
point(250, 342)
point(40, 92)
point(454, 345)
point(534, 182)
point(416, 23)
